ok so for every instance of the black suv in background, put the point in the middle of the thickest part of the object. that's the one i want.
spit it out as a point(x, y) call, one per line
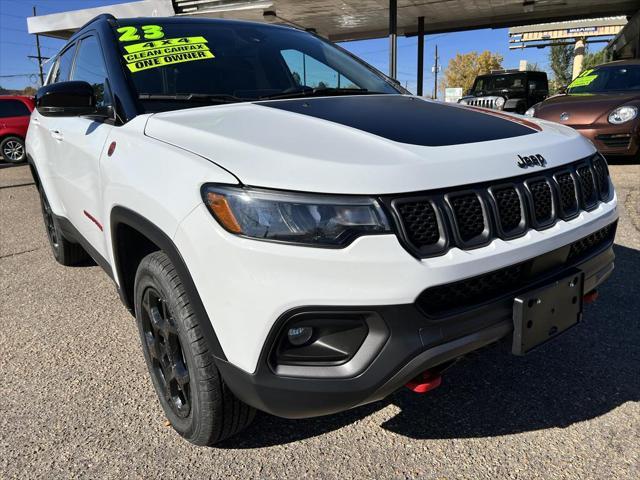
point(511, 91)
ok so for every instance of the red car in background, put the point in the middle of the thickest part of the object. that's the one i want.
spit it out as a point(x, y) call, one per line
point(15, 112)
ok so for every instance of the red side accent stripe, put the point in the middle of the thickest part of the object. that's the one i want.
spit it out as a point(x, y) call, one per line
point(93, 219)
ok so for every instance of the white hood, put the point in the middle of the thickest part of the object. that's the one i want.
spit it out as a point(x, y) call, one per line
point(269, 145)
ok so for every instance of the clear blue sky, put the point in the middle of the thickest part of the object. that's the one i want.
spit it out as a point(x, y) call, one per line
point(16, 44)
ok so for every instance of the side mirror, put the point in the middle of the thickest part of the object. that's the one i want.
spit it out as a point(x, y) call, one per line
point(66, 99)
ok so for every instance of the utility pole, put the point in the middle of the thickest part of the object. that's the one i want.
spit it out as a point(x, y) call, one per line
point(39, 54)
point(435, 77)
point(393, 38)
point(420, 55)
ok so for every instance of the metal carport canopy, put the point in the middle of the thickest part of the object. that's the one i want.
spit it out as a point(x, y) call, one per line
point(341, 20)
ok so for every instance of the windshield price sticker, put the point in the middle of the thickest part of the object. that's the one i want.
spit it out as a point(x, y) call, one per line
point(167, 42)
point(146, 55)
point(585, 78)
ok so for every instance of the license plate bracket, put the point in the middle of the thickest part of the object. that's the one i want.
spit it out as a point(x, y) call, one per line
point(544, 313)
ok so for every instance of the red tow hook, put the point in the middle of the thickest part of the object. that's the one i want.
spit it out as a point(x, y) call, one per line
point(590, 297)
point(424, 382)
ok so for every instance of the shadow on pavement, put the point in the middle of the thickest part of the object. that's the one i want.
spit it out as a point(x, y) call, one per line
point(622, 160)
point(584, 374)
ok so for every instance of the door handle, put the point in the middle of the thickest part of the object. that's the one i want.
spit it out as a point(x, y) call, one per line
point(35, 121)
point(56, 135)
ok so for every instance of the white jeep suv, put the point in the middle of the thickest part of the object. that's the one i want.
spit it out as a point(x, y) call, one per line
point(293, 231)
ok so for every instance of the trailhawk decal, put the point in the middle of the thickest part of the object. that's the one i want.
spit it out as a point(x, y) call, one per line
point(154, 54)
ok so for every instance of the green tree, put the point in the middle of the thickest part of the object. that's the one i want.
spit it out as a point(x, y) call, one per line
point(560, 61)
point(465, 67)
point(594, 59)
point(29, 91)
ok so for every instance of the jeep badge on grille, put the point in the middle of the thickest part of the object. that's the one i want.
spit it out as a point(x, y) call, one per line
point(532, 161)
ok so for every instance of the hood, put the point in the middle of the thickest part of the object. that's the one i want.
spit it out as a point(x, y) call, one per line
point(363, 144)
point(583, 109)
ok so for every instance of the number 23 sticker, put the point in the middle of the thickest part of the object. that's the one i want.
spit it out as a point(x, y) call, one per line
point(149, 32)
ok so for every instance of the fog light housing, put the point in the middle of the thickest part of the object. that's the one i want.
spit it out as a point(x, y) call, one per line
point(320, 338)
point(298, 336)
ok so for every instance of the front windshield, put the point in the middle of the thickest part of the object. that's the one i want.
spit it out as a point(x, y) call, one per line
point(607, 79)
point(500, 82)
point(236, 61)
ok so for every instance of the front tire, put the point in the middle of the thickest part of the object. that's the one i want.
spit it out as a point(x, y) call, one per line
point(192, 393)
point(12, 149)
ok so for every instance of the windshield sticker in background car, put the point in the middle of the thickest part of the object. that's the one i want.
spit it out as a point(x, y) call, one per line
point(146, 55)
point(585, 78)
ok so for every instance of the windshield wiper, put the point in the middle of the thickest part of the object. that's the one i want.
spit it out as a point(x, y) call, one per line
point(193, 97)
point(320, 92)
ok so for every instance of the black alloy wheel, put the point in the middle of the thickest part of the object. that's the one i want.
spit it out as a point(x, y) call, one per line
point(49, 222)
point(192, 393)
point(162, 343)
point(65, 251)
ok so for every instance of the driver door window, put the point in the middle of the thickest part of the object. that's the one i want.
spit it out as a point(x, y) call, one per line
point(309, 72)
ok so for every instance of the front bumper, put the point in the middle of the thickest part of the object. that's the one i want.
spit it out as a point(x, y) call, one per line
point(610, 139)
point(414, 344)
point(247, 285)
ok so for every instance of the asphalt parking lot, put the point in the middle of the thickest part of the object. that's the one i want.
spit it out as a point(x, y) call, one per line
point(76, 400)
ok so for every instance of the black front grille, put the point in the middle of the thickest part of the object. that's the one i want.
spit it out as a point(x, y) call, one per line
point(509, 208)
point(587, 187)
point(473, 216)
point(445, 299)
point(568, 199)
point(437, 300)
point(615, 140)
point(542, 201)
point(420, 222)
point(588, 244)
point(469, 216)
point(602, 176)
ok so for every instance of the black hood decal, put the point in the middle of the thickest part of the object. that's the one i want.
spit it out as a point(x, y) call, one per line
point(406, 119)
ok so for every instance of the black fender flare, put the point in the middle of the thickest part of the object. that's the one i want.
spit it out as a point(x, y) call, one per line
point(124, 216)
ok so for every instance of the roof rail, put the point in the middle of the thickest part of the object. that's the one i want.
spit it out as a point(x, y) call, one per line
point(102, 16)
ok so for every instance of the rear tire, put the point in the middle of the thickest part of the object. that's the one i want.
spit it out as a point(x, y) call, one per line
point(191, 391)
point(64, 251)
point(12, 149)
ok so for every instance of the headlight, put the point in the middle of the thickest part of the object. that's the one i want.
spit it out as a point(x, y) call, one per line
point(530, 112)
point(318, 220)
point(500, 102)
point(623, 114)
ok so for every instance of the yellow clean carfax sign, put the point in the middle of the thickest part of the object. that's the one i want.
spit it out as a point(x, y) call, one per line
point(146, 55)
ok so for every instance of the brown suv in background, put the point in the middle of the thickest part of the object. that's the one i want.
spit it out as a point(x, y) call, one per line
point(603, 104)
